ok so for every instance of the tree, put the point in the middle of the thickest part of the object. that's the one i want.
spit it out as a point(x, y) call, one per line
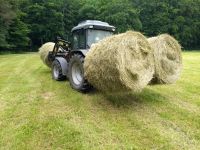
point(7, 14)
point(48, 19)
point(18, 35)
point(117, 12)
point(37, 21)
point(178, 18)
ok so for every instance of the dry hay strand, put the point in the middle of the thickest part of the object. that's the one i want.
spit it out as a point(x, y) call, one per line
point(119, 63)
point(44, 51)
point(167, 59)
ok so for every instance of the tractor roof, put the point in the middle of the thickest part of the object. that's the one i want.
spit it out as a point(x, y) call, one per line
point(94, 24)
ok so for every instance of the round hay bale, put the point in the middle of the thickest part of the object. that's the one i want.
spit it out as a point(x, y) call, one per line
point(44, 51)
point(120, 63)
point(167, 59)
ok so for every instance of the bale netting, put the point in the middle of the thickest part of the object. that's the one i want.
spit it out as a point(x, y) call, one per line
point(119, 63)
point(44, 51)
point(167, 59)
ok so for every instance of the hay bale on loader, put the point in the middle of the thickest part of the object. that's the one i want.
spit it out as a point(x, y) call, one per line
point(44, 51)
point(120, 63)
point(167, 59)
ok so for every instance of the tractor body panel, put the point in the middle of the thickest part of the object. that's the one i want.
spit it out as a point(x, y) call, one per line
point(80, 51)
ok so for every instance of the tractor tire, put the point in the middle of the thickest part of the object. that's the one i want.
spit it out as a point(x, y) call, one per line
point(76, 74)
point(56, 71)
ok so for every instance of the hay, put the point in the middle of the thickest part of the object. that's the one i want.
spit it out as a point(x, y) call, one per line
point(44, 51)
point(167, 59)
point(121, 62)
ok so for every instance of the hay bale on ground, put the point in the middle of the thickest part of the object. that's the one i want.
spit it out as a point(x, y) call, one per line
point(44, 51)
point(121, 62)
point(167, 59)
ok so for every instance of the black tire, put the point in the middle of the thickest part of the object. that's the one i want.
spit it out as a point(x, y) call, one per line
point(56, 71)
point(76, 74)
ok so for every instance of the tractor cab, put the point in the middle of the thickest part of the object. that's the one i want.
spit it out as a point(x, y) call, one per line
point(89, 32)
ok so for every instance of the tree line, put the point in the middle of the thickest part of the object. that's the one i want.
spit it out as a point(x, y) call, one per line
point(26, 24)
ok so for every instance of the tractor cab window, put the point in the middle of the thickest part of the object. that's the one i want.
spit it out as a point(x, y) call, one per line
point(75, 41)
point(79, 40)
point(95, 36)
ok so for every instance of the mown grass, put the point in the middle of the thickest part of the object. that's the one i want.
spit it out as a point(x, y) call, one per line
point(39, 113)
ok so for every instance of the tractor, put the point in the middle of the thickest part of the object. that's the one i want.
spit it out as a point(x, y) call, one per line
point(67, 58)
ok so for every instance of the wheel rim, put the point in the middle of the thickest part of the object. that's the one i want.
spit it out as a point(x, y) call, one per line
point(77, 75)
point(55, 72)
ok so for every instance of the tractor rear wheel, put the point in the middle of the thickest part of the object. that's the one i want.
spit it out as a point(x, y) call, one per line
point(56, 71)
point(76, 74)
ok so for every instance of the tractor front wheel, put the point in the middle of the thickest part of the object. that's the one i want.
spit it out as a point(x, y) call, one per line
point(57, 71)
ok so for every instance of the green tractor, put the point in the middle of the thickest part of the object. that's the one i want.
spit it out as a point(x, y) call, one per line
point(67, 58)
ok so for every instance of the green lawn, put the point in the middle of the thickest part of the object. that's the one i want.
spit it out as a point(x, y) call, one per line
point(39, 113)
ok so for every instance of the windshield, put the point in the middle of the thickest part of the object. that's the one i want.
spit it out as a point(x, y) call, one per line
point(95, 36)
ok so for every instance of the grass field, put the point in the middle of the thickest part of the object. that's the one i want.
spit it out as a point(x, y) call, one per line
point(39, 113)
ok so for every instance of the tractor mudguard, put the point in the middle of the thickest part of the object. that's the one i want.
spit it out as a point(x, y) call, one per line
point(81, 51)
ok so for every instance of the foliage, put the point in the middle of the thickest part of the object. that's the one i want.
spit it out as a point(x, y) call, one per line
point(178, 18)
point(18, 34)
point(35, 22)
point(6, 17)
